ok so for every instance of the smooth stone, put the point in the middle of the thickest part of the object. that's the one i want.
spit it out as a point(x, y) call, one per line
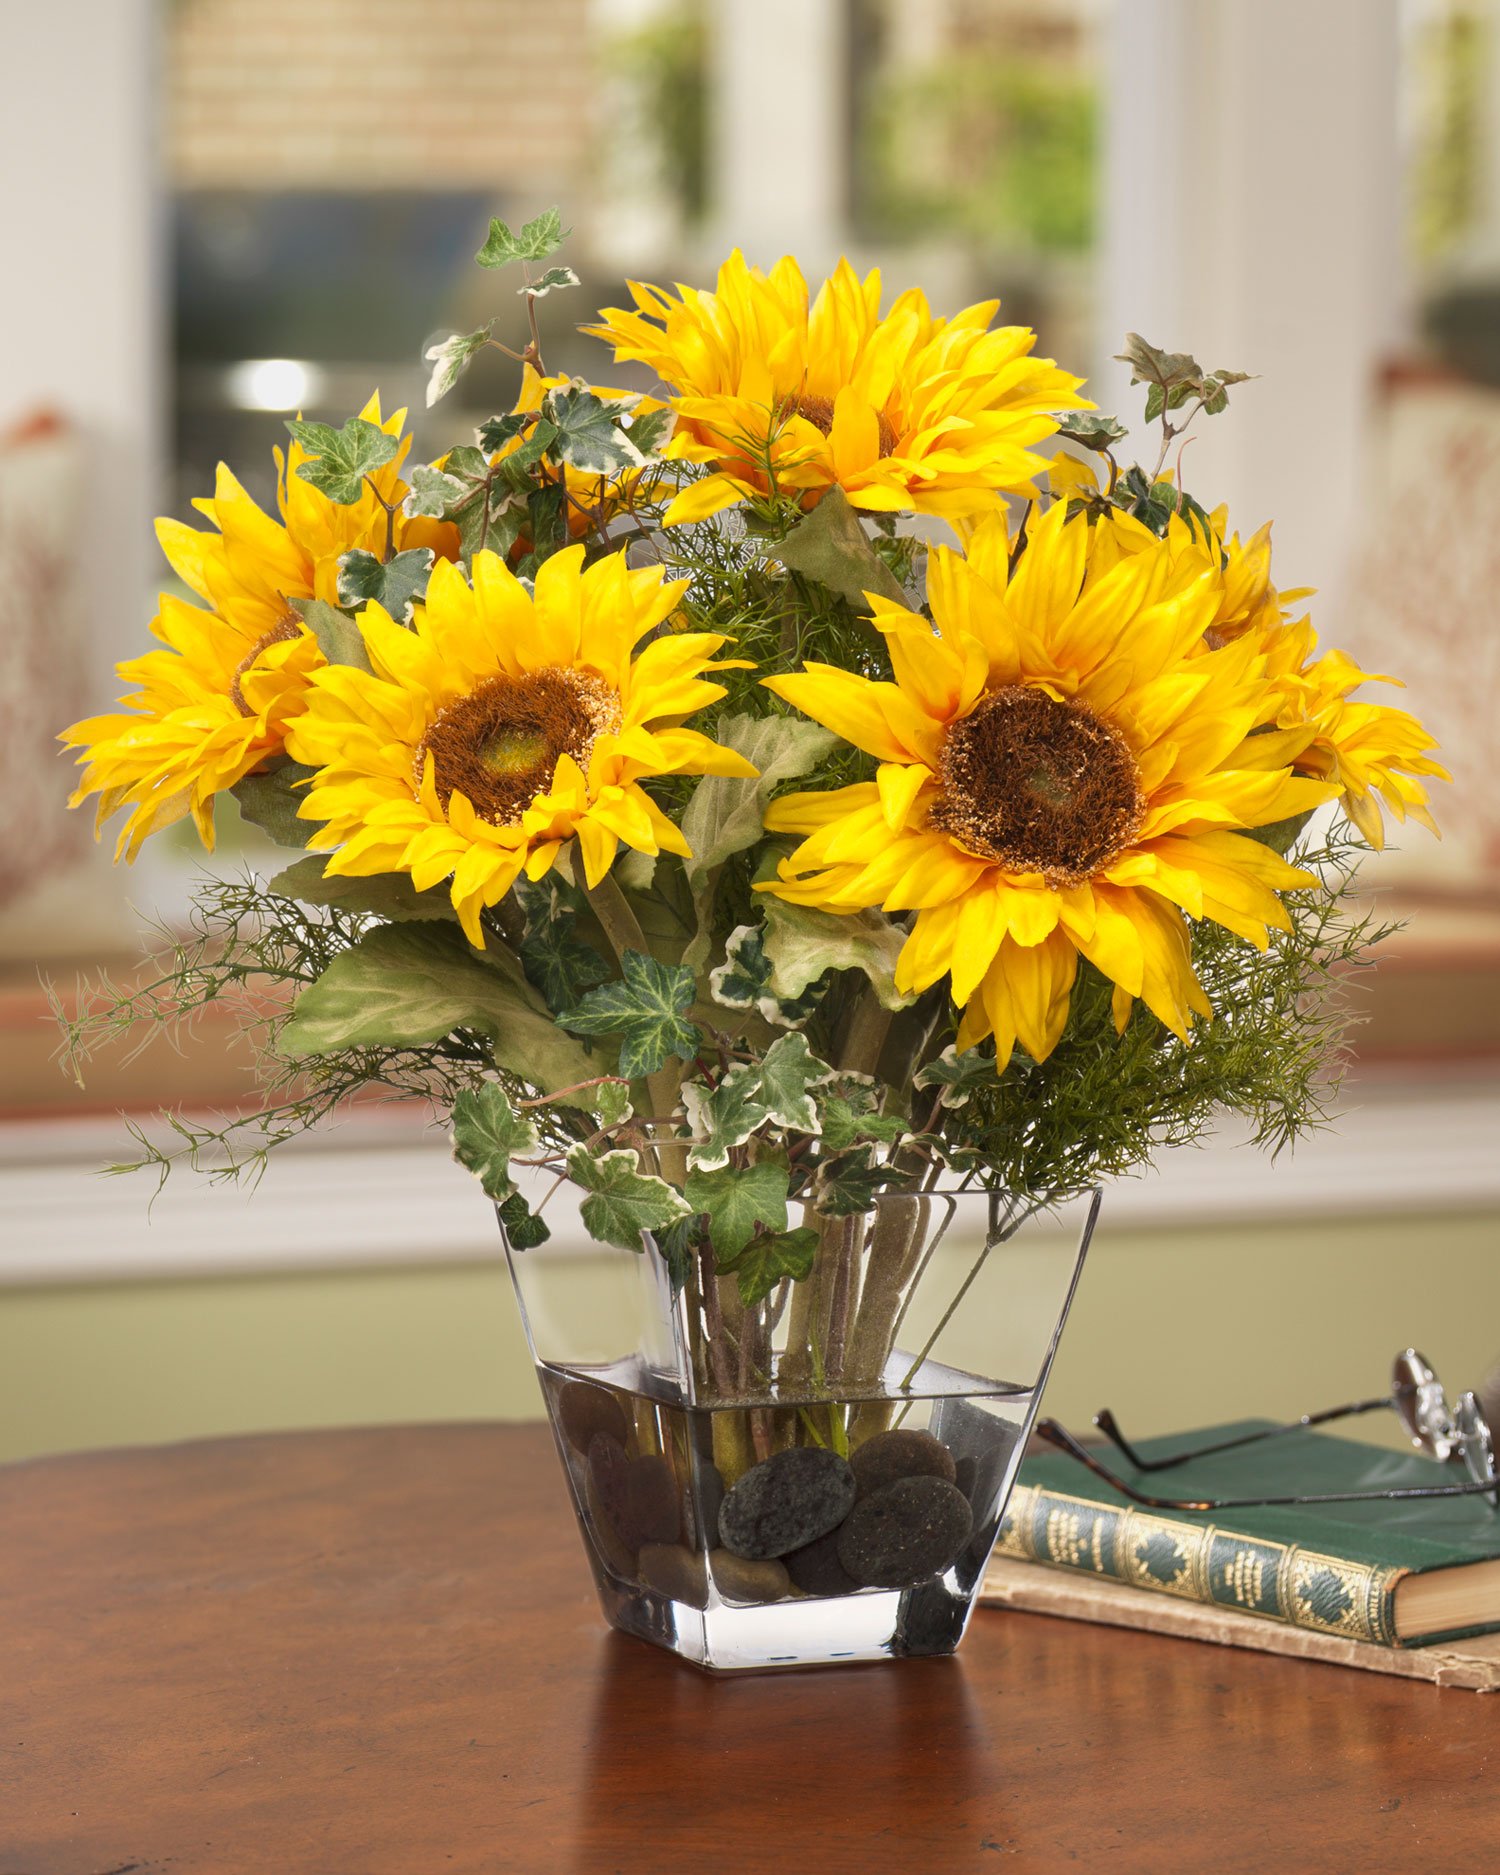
point(900, 1454)
point(739, 1580)
point(584, 1409)
point(816, 1569)
point(651, 1499)
point(902, 1535)
point(785, 1502)
point(609, 1472)
point(966, 1476)
point(675, 1572)
point(606, 1538)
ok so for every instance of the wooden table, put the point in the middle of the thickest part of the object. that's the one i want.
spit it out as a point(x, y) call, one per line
point(378, 1653)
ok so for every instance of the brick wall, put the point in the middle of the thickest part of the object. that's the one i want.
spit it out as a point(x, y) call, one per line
point(362, 94)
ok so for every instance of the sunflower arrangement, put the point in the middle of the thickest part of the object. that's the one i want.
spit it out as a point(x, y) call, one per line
point(671, 819)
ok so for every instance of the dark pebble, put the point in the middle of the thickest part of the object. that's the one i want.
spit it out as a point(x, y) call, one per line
point(892, 1455)
point(785, 1502)
point(740, 1581)
point(609, 1473)
point(651, 1500)
point(677, 1573)
point(966, 1476)
point(605, 1537)
point(700, 1504)
point(584, 1409)
point(905, 1533)
point(816, 1569)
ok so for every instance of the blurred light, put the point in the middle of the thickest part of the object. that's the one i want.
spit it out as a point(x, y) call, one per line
point(271, 384)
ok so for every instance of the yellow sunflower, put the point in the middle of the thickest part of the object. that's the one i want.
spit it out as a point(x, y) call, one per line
point(902, 412)
point(1063, 772)
point(215, 704)
point(504, 724)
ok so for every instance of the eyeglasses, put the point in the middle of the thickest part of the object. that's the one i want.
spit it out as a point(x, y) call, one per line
point(1452, 1435)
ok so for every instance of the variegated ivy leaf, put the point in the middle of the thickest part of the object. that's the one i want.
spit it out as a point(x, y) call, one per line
point(646, 1010)
point(524, 1230)
point(539, 239)
point(487, 1134)
point(959, 1075)
point(553, 277)
point(769, 1259)
point(452, 358)
point(735, 1199)
point(743, 981)
point(433, 493)
point(557, 962)
point(341, 459)
point(650, 430)
point(843, 1123)
point(396, 583)
point(803, 943)
point(622, 1201)
point(496, 432)
point(590, 436)
point(849, 1181)
point(787, 1072)
point(723, 1117)
point(611, 1103)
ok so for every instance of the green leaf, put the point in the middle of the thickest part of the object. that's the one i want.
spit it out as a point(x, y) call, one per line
point(433, 492)
point(803, 943)
point(848, 1182)
point(496, 432)
point(546, 522)
point(786, 1073)
point(524, 1230)
point(645, 1010)
point(1149, 365)
point(557, 962)
point(770, 1258)
point(342, 458)
point(487, 1134)
point(389, 895)
point(959, 1075)
point(726, 813)
point(271, 802)
point(407, 985)
point(1092, 430)
point(623, 1201)
point(1280, 835)
point(537, 240)
point(832, 547)
point(339, 637)
point(678, 1245)
point(395, 583)
point(743, 981)
point(553, 277)
point(651, 430)
point(590, 437)
point(737, 1198)
point(611, 1103)
point(723, 1117)
point(842, 1124)
point(452, 358)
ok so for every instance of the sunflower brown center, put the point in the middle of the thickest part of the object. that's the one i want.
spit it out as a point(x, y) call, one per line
point(1039, 786)
point(819, 413)
point(501, 744)
point(280, 633)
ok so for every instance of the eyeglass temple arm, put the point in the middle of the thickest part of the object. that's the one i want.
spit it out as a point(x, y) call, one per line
point(1057, 1435)
point(1106, 1423)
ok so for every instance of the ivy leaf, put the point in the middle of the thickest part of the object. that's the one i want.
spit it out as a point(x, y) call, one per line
point(1092, 430)
point(395, 583)
point(524, 1230)
point(842, 1124)
point(723, 1117)
point(590, 437)
point(623, 1201)
point(271, 802)
point(389, 895)
point(849, 1181)
point(546, 522)
point(802, 943)
point(487, 1134)
point(786, 1073)
point(496, 432)
point(646, 1010)
point(433, 492)
point(769, 1258)
point(611, 1103)
point(832, 547)
point(1150, 365)
point(959, 1075)
point(555, 960)
point(735, 1199)
point(743, 981)
point(342, 458)
point(452, 358)
point(408, 985)
point(651, 430)
point(678, 1245)
point(339, 637)
point(553, 277)
point(537, 240)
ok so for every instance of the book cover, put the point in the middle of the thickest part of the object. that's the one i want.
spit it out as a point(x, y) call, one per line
point(1332, 1568)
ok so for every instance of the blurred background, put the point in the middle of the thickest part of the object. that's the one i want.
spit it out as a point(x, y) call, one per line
point(217, 212)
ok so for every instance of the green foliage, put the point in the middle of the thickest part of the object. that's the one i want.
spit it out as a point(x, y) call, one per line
point(591, 433)
point(842, 1124)
point(646, 1010)
point(622, 1202)
point(555, 960)
point(339, 637)
point(803, 943)
point(1091, 430)
point(523, 1228)
point(341, 459)
point(959, 1075)
point(388, 895)
point(396, 583)
point(539, 239)
point(737, 1199)
point(770, 1258)
point(848, 1181)
point(451, 358)
point(487, 1134)
point(743, 981)
point(1175, 379)
point(546, 283)
point(787, 1071)
point(725, 1116)
point(271, 801)
point(833, 548)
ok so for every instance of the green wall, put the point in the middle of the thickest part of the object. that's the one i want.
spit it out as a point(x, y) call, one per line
point(1171, 1328)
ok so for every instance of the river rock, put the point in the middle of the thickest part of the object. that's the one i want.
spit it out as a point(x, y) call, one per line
point(785, 1502)
point(651, 1499)
point(739, 1580)
point(905, 1533)
point(609, 1473)
point(675, 1572)
point(900, 1454)
point(816, 1569)
point(584, 1409)
point(601, 1528)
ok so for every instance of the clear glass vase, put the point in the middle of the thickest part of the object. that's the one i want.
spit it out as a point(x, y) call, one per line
point(820, 1477)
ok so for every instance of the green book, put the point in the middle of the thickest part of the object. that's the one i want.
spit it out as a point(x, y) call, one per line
point(1400, 1574)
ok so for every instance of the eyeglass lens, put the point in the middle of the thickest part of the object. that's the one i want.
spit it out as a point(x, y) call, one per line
point(1478, 1446)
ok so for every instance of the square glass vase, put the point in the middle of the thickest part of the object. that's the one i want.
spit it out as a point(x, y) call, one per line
point(818, 1478)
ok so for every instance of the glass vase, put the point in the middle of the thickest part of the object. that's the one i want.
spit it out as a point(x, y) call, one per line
point(819, 1477)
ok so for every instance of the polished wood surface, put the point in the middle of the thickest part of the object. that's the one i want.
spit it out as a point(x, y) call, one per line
point(378, 1653)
